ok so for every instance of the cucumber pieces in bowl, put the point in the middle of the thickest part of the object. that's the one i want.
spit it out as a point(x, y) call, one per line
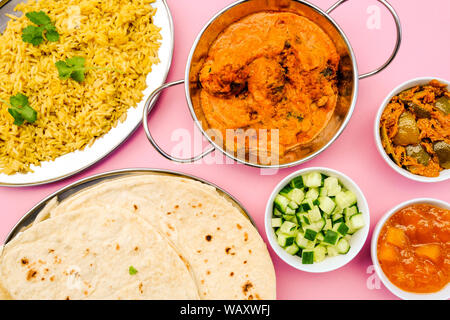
point(314, 217)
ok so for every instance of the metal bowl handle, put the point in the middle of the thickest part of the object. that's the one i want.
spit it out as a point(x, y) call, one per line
point(148, 107)
point(398, 41)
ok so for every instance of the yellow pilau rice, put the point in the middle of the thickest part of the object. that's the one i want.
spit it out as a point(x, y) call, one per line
point(112, 34)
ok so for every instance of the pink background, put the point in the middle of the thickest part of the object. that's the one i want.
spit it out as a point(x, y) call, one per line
point(424, 52)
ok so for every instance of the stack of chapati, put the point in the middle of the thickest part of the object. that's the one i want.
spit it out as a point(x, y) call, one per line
point(140, 237)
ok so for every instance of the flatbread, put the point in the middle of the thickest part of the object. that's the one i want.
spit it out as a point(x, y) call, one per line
point(91, 253)
point(229, 259)
point(4, 295)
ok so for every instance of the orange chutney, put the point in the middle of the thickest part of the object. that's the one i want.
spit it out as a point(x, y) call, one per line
point(414, 248)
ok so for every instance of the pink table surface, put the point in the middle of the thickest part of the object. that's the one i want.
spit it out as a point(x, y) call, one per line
point(425, 51)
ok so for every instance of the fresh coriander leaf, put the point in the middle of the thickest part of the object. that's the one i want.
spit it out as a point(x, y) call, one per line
point(63, 69)
point(52, 35)
point(76, 62)
point(78, 76)
point(19, 100)
point(18, 119)
point(28, 113)
point(132, 271)
point(20, 109)
point(38, 17)
point(73, 68)
point(33, 35)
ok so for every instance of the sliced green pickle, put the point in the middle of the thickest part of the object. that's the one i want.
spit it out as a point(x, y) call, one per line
point(418, 152)
point(443, 104)
point(408, 133)
point(442, 150)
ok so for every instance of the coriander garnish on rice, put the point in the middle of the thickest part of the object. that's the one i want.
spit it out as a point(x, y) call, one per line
point(20, 109)
point(76, 68)
point(35, 34)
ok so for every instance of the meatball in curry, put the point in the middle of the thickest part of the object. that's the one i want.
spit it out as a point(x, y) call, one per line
point(271, 70)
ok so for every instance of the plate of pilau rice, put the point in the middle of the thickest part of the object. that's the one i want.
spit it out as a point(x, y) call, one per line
point(74, 78)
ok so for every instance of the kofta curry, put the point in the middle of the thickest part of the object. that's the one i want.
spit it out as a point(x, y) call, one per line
point(271, 70)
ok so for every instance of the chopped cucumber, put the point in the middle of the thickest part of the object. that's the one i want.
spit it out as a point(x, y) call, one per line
point(332, 251)
point(319, 253)
point(293, 205)
point(278, 232)
point(312, 193)
point(304, 243)
point(285, 240)
point(289, 211)
point(307, 205)
point(323, 192)
point(297, 182)
point(292, 249)
point(348, 212)
point(296, 195)
point(320, 237)
point(310, 234)
point(318, 225)
point(331, 237)
point(343, 246)
point(313, 180)
point(314, 214)
point(281, 203)
point(277, 212)
point(341, 228)
point(305, 219)
point(328, 225)
point(326, 205)
point(314, 217)
point(276, 222)
point(345, 199)
point(286, 190)
point(356, 221)
point(338, 217)
point(340, 220)
point(299, 219)
point(288, 227)
point(308, 257)
point(337, 210)
point(289, 217)
point(332, 186)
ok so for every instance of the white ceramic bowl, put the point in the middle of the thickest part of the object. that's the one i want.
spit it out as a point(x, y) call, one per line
point(330, 263)
point(441, 295)
point(404, 86)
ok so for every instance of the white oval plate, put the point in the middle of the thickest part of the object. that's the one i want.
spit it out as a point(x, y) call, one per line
point(72, 163)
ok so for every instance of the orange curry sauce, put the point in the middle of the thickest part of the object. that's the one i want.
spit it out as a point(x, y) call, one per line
point(414, 248)
point(271, 70)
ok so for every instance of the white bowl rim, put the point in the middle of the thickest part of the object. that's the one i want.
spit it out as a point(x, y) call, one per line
point(444, 293)
point(316, 267)
point(445, 175)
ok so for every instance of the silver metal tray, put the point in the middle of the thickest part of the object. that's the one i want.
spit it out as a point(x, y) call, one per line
point(80, 185)
point(72, 163)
